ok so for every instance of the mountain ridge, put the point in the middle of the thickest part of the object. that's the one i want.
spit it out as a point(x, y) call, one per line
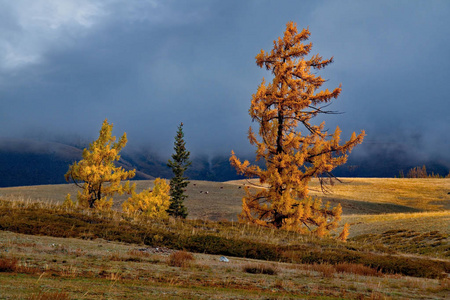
point(31, 162)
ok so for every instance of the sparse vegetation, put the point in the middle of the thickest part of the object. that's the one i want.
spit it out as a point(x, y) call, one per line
point(55, 260)
point(377, 254)
point(222, 238)
point(49, 296)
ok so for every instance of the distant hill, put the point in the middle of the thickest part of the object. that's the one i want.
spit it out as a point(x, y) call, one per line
point(26, 162)
point(29, 162)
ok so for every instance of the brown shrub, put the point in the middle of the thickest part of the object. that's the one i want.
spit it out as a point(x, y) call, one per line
point(28, 269)
point(115, 257)
point(326, 270)
point(260, 269)
point(445, 284)
point(180, 259)
point(8, 264)
point(138, 253)
point(126, 257)
point(357, 269)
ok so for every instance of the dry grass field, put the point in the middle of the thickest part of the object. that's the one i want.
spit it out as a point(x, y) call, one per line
point(404, 220)
point(370, 205)
point(393, 194)
point(67, 268)
point(356, 195)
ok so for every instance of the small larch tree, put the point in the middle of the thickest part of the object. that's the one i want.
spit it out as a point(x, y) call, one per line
point(97, 175)
point(294, 149)
point(152, 203)
point(179, 164)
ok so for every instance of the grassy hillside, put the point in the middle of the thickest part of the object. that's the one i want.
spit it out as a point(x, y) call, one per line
point(429, 194)
point(222, 200)
point(356, 195)
point(69, 268)
point(370, 205)
point(84, 255)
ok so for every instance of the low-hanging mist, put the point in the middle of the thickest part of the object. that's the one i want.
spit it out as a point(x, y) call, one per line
point(147, 66)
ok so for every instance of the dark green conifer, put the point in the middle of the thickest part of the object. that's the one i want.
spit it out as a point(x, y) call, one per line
point(178, 163)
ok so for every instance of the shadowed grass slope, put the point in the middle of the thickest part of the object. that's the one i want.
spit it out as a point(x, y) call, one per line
point(224, 238)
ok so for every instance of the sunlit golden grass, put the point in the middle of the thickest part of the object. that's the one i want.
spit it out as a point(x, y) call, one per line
point(223, 200)
point(419, 193)
point(420, 222)
point(381, 195)
point(401, 216)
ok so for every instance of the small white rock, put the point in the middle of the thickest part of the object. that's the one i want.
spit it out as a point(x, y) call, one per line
point(224, 259)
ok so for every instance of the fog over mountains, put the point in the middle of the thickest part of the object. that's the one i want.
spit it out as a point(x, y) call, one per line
point(30, 162)
point(146, 66)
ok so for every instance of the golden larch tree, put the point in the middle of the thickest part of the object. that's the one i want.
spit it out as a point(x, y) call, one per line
point(97, 175)
point(294, 150)
point(152, 203)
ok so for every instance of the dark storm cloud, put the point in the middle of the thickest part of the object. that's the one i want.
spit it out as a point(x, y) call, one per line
point(399, 70)
point(149, 65)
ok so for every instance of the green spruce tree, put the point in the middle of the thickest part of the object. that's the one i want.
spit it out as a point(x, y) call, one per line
point(178, 163)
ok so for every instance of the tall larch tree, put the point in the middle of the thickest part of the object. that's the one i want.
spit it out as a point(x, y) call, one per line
point(97, 175)
point(179, 164)
point(294, 150)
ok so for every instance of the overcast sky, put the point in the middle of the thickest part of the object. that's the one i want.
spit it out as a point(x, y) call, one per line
point(147, 65)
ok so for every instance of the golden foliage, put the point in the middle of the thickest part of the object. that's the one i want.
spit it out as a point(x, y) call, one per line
point(68, 202)
point(420, 172)
point(292, 157)
point(96, 173)
point(345, 232)
point(151, 203)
